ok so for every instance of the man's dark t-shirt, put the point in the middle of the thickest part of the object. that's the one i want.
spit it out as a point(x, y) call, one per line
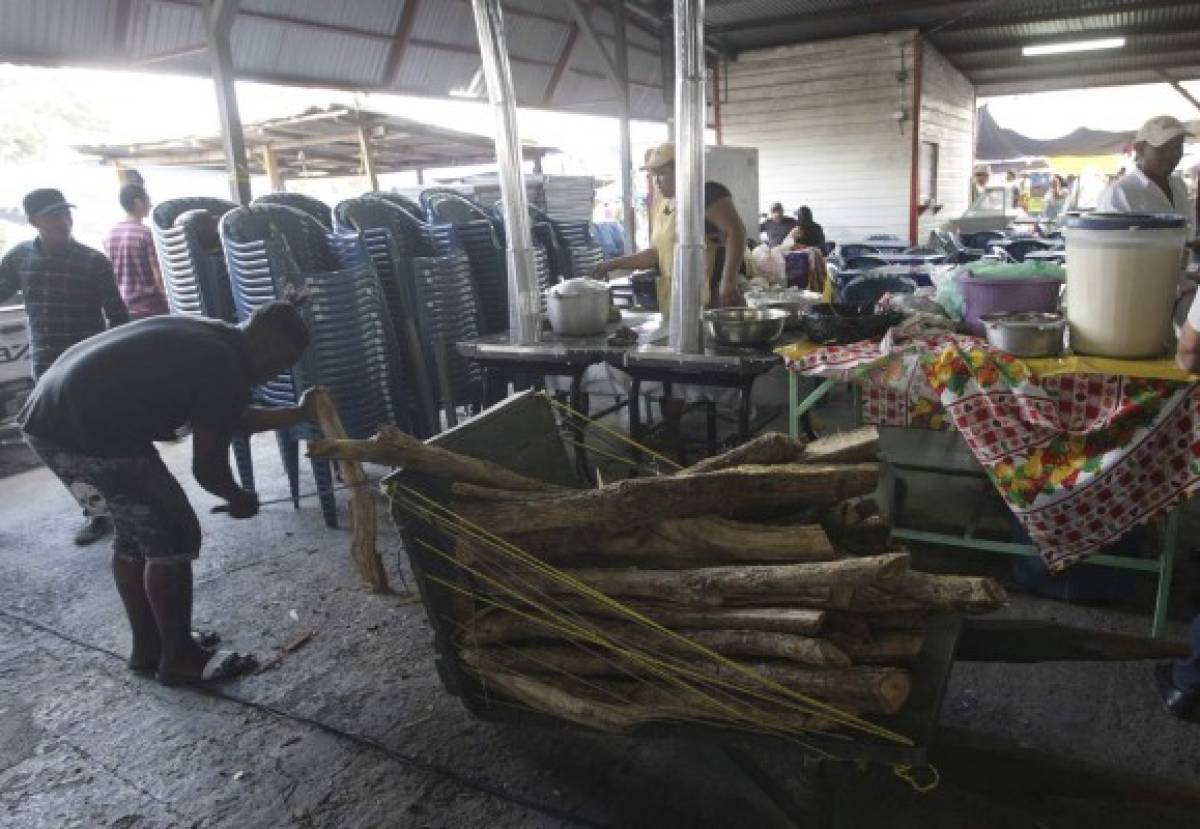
point(114, 394)
point(777, 231)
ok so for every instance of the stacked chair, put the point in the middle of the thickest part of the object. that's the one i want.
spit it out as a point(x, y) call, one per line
point(585, 251)
point(459, 224)
point(406, 204)
point(354, 351)
point(313, 207)
point(195, 276)
point(549, 255)
point(431, 299)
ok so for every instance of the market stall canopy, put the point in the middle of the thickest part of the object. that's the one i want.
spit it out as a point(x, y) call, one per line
point(323, 142)
point(428, 47)
point(996, 143)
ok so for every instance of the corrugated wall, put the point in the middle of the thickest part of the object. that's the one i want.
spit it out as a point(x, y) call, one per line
point(823, 117)
point(948, 120)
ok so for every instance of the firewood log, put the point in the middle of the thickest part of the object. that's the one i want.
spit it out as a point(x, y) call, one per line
point(495, 628)
point(649, 500)
point(391, 447)
point(717, 585)
point(764, 450)
point(854, 446)
point(362, 504)
point(695, 539)
point(800, 620)
point(885, 648)
point(914, 591)
point(578, 703)
point(869, 689)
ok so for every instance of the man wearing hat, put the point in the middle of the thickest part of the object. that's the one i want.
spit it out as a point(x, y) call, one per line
point(1152, 187)
point(70, 294)
point(724, 237)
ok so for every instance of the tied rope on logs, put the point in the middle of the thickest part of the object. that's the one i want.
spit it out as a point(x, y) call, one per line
point(456, 526)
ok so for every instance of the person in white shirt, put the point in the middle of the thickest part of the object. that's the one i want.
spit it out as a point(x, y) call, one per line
point(1151, 187)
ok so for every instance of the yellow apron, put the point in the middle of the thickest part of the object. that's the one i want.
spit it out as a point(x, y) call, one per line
point(662, 239)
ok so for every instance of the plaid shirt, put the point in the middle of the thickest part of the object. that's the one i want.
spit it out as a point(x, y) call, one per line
point(130, 247)
point(68, 296)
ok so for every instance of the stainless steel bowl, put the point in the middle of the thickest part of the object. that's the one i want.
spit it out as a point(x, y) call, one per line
point(793, 301)
point(1026, 334)
point(745, 326)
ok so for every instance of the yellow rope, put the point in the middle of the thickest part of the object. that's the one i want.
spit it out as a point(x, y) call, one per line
point(611, 456)
point(621, 437)
point(905, 773)
point(445, 516)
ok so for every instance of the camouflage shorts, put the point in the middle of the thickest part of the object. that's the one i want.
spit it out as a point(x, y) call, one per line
point(151, 516)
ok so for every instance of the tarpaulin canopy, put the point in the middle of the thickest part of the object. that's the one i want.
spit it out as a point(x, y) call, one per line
point(995, 143)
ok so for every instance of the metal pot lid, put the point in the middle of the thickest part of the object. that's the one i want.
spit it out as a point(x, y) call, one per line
point(1126, 221)
point(578, 287)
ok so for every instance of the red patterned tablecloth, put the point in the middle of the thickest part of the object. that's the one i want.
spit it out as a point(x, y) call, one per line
point(1079, 458)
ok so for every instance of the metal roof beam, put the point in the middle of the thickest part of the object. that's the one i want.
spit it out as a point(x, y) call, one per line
point(967, 41)
point(1005, 16)
point(1187, 59)
point(1065, 82)
point(972, 61)
point(408, 19)
point(564, 60)
point(589, 32)
point(1166, 76)
point(862, 19)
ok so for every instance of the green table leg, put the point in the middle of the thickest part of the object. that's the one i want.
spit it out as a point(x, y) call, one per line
point(1166, 563)
point(797, 407)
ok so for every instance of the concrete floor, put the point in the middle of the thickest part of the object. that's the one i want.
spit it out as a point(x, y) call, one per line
point(354, 729)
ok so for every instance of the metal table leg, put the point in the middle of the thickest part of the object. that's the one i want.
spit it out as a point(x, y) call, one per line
point(578, 426)
point(744, 410)
point(798, 408)
point(635, 419)
point(1166, 563)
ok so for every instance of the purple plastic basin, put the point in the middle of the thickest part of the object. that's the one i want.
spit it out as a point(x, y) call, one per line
point(997, 296)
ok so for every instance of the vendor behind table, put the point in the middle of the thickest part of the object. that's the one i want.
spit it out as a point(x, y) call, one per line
point(725, 238)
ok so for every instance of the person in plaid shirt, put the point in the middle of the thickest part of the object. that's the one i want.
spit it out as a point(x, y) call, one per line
point(69, 291)
point(130, 247)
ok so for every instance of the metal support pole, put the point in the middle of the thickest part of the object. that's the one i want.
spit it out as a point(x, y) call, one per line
point(687, 292)
point(524, 309)
point(220, 15)
point(368, 159)
point(628, 217)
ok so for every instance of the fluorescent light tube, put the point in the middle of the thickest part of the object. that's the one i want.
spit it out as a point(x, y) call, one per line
point(1073, 46)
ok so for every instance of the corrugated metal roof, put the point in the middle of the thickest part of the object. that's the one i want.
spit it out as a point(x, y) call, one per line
point(354, 43)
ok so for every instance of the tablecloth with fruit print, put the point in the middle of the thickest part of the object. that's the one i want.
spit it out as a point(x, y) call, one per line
point(1079, 458)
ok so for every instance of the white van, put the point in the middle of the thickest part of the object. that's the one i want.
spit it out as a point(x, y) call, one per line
point(16, 362)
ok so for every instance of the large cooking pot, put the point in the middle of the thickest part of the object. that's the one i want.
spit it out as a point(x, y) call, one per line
point(578, 307)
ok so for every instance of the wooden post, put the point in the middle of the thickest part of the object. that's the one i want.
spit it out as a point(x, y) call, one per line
point(271, 166)
point(220, 15)
point(368, 160)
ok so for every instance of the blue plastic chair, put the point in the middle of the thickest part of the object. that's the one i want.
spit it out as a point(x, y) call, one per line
point(864, 262)
point(850, 251)
point(196, 278)
point(458, 225)
point(1018, 248)
point(409, 206)
point(353, 351)
point(867, 288)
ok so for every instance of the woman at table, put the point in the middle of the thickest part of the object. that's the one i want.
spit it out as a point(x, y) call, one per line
point(807, 231)
point(724, 238)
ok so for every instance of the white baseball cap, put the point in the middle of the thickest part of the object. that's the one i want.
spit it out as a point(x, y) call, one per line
point(1160, 130)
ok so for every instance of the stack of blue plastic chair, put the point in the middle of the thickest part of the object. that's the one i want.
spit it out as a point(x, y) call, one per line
point(585, 250)
point(316, 208)
point(353, 353)
point(459, 224)
point(195, 276)
point(548, 253)
point(447, 315)
point(409, 206)
point(395, 240)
